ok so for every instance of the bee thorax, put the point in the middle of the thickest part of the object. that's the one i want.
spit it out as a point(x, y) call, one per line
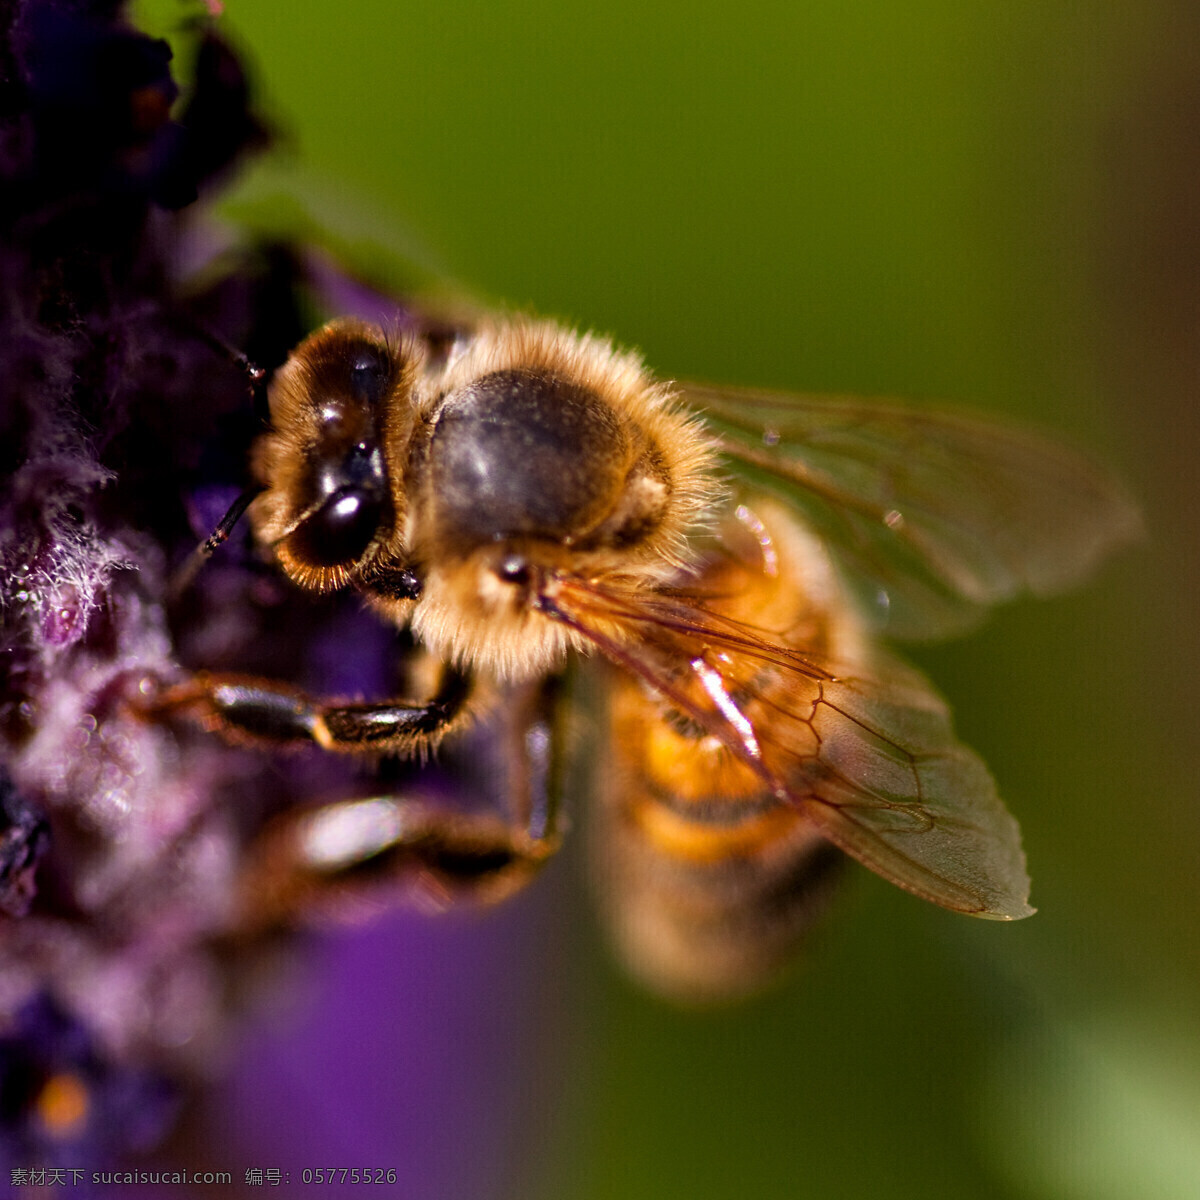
point(525, 453)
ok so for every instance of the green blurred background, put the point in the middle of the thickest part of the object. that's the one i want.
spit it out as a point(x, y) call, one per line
point(992, 202)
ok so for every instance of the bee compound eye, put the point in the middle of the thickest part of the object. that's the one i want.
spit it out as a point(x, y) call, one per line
point(340, 531)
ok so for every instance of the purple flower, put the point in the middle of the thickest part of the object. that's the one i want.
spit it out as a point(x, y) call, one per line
point(124, 426)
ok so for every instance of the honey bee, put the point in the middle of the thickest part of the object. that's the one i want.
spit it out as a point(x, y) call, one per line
point(520, 496)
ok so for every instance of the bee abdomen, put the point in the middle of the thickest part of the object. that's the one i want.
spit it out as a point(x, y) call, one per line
point(708, 897)
point(715, 928)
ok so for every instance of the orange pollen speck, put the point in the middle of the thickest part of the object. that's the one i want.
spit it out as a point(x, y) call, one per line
point(62, 1104)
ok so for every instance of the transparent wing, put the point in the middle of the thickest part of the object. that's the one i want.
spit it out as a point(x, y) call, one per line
point(871, 760)
point(931, 515)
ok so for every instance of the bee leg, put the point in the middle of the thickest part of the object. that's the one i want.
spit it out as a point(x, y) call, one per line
point(250, 710)
point(348, 859)
point(354, 857)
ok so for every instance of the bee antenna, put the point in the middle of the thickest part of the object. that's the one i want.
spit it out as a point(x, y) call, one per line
point(255, 375)
point(220, 535)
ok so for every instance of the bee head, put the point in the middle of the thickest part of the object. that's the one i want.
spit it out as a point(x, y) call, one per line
point(341, 414)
